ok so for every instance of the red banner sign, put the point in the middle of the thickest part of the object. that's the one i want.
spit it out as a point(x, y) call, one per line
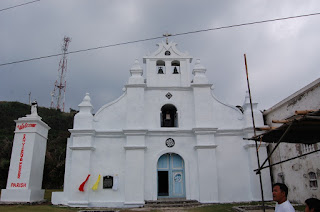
point(25, 125)
point(21, 155)
point(19, 185)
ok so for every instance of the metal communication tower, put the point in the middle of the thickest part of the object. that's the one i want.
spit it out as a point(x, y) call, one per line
point(58, 93)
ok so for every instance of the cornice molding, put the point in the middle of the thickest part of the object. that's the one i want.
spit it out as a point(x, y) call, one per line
point(222, 132)
point(135, 147)
point(206, 146)
point(136, 85)
point(170, 88)
point(82, 148)
point(32, 119)
point(204, 130)
point(109, 134)
point(135, 132)
point(201, 85)
point(76, 132)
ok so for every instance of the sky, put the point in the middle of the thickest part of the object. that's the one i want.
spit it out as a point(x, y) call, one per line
point(282, 56)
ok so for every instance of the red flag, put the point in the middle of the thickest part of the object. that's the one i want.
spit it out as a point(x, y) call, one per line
point(82, 184)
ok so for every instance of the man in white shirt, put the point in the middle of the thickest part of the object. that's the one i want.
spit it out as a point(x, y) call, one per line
point(280, 193)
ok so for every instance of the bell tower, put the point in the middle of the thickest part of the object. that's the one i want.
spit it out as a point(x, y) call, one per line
point(167, 67)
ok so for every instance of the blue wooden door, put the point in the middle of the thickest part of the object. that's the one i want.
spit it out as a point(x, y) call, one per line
point(171, 182)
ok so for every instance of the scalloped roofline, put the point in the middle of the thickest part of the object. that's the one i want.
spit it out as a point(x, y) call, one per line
point(164, 47)
point(240, 117)
point(109, 104)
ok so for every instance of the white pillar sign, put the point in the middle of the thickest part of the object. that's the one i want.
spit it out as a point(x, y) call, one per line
point(27, 160)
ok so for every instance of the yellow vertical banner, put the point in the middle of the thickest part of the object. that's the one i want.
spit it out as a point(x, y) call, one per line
point(95, 186)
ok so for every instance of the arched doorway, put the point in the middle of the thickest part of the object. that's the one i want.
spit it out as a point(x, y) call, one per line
point(171, 180)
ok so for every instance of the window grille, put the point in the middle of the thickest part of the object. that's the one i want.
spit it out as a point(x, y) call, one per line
point(307, 148)
point(313, 180)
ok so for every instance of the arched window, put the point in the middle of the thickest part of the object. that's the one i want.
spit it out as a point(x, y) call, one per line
point(175, 67)
point(169, 116)
point(313, 180)
point(161, 67)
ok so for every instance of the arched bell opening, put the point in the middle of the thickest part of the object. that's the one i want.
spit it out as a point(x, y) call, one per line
point(175, 65)
point(169, 116)
point(161, 67)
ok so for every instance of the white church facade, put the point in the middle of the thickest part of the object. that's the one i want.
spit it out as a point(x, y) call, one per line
point(167, 136)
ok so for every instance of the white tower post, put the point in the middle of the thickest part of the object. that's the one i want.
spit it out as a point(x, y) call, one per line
point(27, 160)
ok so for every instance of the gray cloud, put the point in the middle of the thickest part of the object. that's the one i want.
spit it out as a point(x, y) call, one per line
point(282, 56)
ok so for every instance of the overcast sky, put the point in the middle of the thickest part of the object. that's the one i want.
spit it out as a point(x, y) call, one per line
point(282, 56)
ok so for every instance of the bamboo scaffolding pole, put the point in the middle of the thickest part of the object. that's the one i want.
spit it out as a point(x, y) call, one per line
point(255, 134)
point(280, 121)
point(303, 112)
point(266, 128)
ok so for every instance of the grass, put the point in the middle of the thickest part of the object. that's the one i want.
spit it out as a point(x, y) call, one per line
point(36, 208)
point(215, 207)
point(48, 207)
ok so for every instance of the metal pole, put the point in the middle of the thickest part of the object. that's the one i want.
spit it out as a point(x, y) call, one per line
point(255, 134)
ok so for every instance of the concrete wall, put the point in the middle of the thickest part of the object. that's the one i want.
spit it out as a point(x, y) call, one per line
point(296, 172)
point(126, 138)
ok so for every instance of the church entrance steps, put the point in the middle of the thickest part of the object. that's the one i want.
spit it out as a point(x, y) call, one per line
point(175, 202)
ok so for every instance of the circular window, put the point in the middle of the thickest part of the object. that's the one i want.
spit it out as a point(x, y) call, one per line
point(167, 53)
point(170, 142)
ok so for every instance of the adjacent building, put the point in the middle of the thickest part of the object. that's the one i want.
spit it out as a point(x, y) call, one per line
point(301, 175)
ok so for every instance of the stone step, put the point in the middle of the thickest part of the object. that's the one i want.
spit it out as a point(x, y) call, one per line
point(172, 203)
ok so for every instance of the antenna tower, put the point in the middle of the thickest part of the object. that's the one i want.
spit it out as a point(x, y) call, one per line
point(59, 90)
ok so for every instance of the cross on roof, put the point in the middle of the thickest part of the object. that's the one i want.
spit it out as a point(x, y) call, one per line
point(167, 35)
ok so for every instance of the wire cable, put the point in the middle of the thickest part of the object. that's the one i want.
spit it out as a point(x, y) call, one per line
point(154, 38)
point(18, 5)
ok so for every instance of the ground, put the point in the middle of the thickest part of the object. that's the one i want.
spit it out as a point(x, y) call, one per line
point(46, 206)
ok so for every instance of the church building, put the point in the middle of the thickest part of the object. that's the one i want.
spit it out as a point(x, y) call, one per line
point(167, 136)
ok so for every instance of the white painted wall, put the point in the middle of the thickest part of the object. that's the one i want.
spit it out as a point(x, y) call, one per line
point(127, 139)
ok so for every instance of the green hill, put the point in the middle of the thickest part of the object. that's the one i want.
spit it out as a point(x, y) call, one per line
point(59, 122)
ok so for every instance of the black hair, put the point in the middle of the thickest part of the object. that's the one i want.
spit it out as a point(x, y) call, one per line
point(283, 188)
point(313, 203)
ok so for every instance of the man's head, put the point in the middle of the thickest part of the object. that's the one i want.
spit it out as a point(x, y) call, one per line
point(312, 205)
point(279, 192)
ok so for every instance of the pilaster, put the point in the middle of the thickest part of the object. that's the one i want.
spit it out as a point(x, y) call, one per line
point(134, 180)
point(81, 151)
point(201, 93)
point(207, 164)
point(135, 96)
